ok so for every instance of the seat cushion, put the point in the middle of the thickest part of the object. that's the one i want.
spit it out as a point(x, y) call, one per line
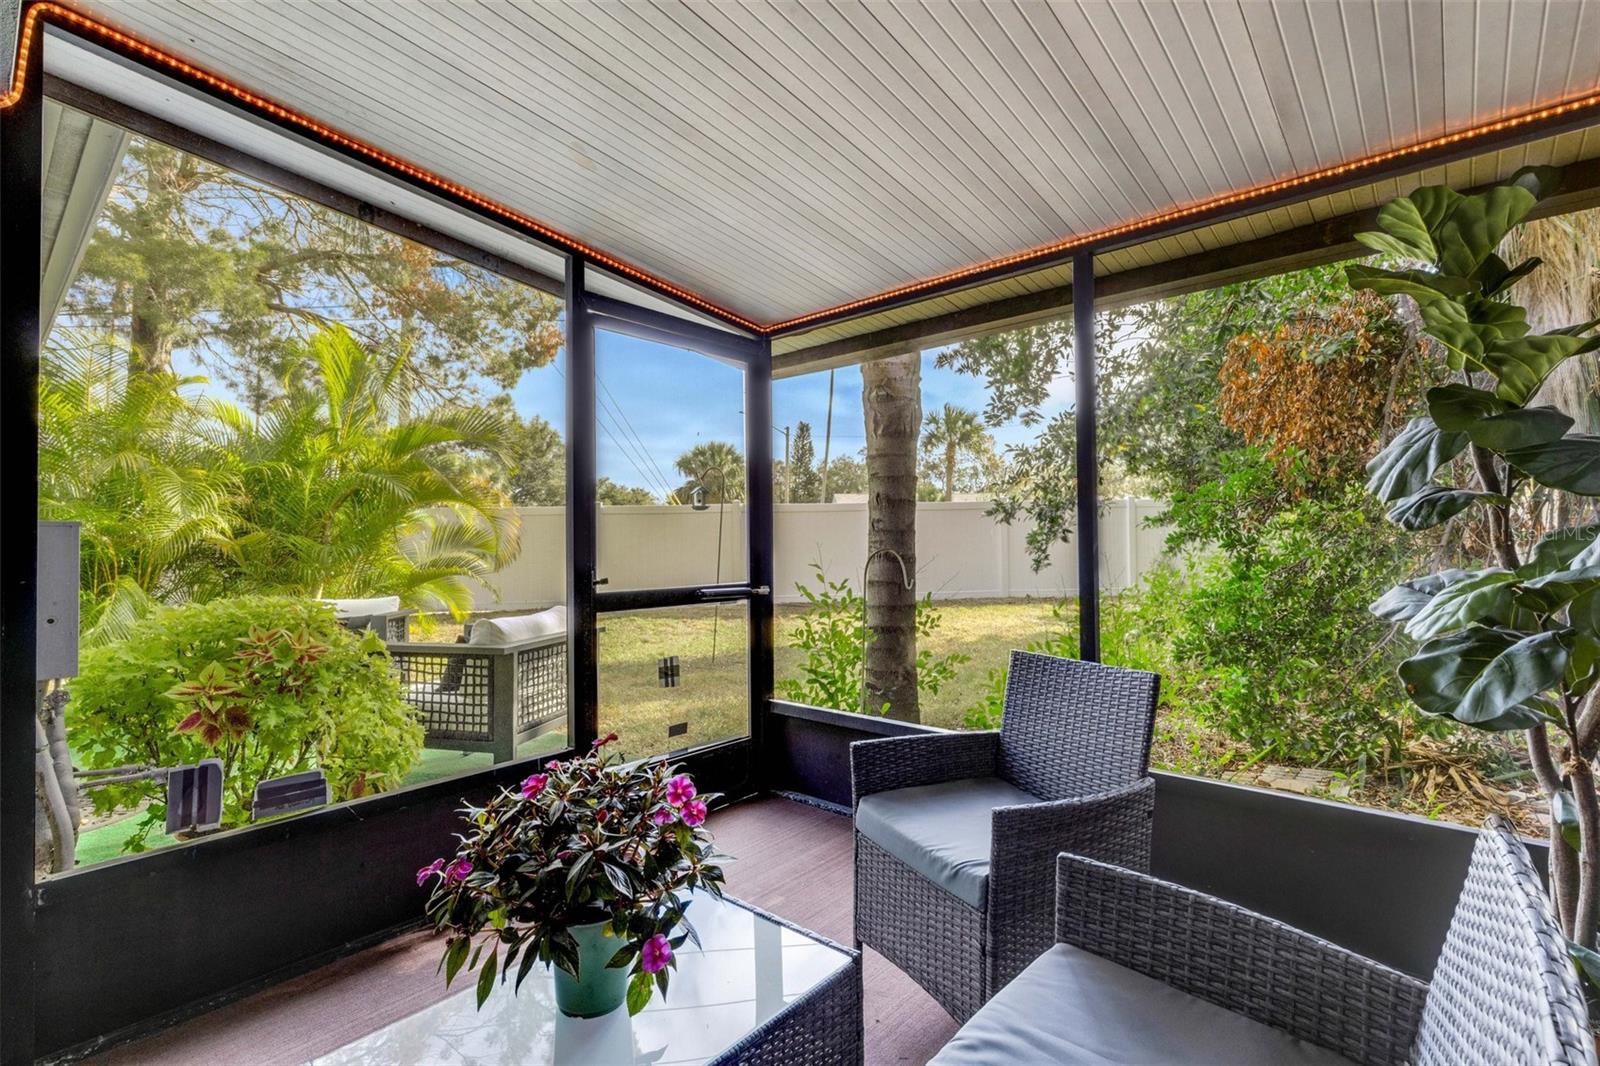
point(514, 629)
point(941, 831)
point(364, 608)
point(1071, 1007)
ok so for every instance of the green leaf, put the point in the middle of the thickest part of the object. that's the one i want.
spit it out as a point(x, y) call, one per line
point(1556, 551)
point(1447, 322)
point(1571, 463)
point(1421, 285)
point(1539, 180)
point(1433, 204)
point(454, 956)
point(1406, 222)
point(1495, 276)
point(1407, 464)
point(1455, 408)
point(1479, 596)
point(529, 957)
point(1552, 592)
point(1482, 675)
point(486, 976)
point(639, 989)
point(1521, 364)
point(1564, 811)
point(1587, 960)
point(1476, 226)
point(1401, 603)
point(1526, 427)
point(1434, 505)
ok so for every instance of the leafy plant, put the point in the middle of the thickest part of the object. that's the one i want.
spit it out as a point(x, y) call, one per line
point(583, 841)
point(126, 456)
point(269, 685)
point(833, 634)
point(1513, 644)
point(346, 491)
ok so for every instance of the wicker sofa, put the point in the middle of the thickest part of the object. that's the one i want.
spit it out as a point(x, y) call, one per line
point(956, 834)
point(381, 614)
point(503, 684)
point(1145, 971)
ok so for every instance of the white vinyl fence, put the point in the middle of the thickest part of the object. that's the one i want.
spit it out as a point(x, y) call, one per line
point(962, 553)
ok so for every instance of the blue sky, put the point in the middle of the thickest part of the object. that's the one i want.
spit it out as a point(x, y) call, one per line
point(658, 402)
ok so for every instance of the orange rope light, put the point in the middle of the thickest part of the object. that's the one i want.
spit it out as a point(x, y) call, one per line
point(66, 16)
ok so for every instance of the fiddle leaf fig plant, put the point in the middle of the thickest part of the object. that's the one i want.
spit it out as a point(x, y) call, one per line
point(1514, 644)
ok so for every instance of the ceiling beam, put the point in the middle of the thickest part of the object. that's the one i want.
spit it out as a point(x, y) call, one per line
point(1323, 242)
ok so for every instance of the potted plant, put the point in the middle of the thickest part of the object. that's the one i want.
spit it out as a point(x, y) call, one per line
point(586, 865)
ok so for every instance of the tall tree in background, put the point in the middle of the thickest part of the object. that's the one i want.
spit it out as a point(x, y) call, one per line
point(805, 485)
point(947, 435)
point(538, 471)
point(1158, 391)
point(891, 399)
point(189, 256)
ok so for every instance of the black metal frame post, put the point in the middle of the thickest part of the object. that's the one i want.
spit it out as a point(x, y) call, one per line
point(21, 135)
point(759, 546)
point(583, 521)
point(1088, 459)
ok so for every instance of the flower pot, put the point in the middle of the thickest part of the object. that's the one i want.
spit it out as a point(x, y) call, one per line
point(597, 989)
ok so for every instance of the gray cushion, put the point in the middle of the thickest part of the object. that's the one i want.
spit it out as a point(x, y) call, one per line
point(941, 831)
point(348, 608)
point(1071, 1007)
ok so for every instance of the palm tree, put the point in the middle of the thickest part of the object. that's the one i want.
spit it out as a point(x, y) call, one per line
point(956, 431)
point(891, 402)
point(716, 466)
point(348, 492)
point(126, 456)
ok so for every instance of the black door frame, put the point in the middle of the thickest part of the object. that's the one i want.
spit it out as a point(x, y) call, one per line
point(729, 766)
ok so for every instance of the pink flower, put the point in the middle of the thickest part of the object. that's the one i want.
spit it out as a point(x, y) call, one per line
point(663, 815)
point(428, 871)
point(694, 813)
point(680, 790)
point(534, 784)
point(600, 742)
point(457, 871)
point(553, 765)
point(655, 954)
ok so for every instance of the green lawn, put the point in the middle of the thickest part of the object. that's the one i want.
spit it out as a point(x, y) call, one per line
point(709, 698)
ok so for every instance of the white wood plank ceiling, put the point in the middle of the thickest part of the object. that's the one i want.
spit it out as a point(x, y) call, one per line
point(781, 157)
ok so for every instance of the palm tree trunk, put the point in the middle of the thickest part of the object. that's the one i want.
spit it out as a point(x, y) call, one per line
point(891, 397)
point(949, 472)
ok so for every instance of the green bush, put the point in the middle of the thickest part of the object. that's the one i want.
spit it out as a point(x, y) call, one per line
point(1136, 628)
point(270, 685)
point(833, 635)
point(1274, 627)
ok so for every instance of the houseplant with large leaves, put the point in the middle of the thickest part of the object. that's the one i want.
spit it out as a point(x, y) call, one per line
point(1512, 644)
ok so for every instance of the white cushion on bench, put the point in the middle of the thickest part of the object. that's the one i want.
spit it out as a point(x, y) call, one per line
point(364, 608)
point(514, 629)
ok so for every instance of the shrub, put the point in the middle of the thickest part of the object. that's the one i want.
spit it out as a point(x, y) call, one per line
point(1136, 628)
point(1274, 621)
point(833, 635)
point(269, 685)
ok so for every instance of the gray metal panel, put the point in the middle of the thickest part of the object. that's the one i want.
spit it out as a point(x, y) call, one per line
point(57, 649)
point(778, 158)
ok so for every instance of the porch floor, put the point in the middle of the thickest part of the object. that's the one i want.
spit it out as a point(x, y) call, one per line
point(792, 859)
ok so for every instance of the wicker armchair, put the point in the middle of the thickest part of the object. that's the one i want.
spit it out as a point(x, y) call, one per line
point(1147, 971)
point(956, 834)
point(485, 697)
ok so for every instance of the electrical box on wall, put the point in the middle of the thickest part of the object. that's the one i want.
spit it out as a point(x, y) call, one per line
point(57, 653)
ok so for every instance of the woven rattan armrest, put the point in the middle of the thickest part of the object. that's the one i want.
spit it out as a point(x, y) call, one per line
point(1240, 960)
point(905, 762)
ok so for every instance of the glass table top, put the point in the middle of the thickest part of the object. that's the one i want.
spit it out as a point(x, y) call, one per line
point(747, 969)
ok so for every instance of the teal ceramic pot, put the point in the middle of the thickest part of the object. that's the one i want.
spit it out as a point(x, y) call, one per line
point(597, 989)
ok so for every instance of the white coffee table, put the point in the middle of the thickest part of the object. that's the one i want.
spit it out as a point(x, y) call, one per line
point(756, 990)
